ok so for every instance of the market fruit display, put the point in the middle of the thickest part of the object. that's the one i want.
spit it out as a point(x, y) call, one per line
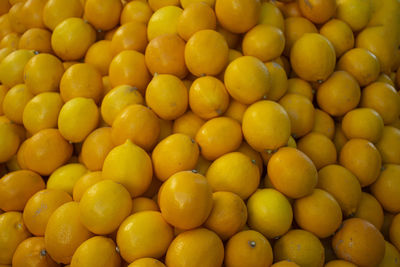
point(199, 133)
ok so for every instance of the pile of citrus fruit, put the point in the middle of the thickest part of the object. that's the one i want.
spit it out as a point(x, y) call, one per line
point(199, 133)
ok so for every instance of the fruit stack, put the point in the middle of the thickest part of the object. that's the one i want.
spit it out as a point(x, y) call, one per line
point(199, 133)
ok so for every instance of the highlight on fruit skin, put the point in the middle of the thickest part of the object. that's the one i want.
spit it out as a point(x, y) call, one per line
point(187, 133)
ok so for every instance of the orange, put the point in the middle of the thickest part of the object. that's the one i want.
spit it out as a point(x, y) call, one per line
point(324, 124)
point(144, 234)
point(189, 123)
point(232, 39)
point(208, 97)
point(16, 17)
point(295, 28)
point(129, 68)
point(33, 13)
point(339, 138)
point(206, 53)
point(195, 248)
point(5, 25)
point(85, 182)
point(252, 154)
point(104, 206)
point(218, 136)
point(359, 242)
point(72, 38)
point(228, 215)
point(271, 15)
point(270, 212)
point(364, 73)
point(129, 165)
point(248, 248)
point(238, 16)
point(3, 92)
point(385, 189)
point(65, 177)
point(247, 79)
point(391, 257)
point(363, 159)
point(165, 54)
point(313, 57)
point(40, 206)
point(301, 87)
point(186, 3)
point(394, 231)
point(163, 21)
point(339, 34)
point(143, 204)
point(235, 110)
point(96, 251)
point(292, 172)
point(32, 252)
point(339, 263)
point(177, 152)
point(157, 4)
point(45, 151)
point(129, 36)
point(65, 232)
point(283, 61)
point(11, 41)
point(363, 123)
point(4, 6)
point(55, 11)
point(9, 141)
point(12, 233)
point(81, 80)
point(385, 79)
point(14, 102)
point(356, 13)
point(389, 144)
point(301, 247)
point(139, 11)
point(378, 41)
point(318, 213)
point(285, 263)
point(138, 124)
point(370, 210)
point(264, 42)
point(165, 129)
point(195, 17)
point(41, 112)
point(167, 96)
point(104, 15)
point(17, 187)
point(266, 126)
point(339, 94)
point(383, 98)
point(319, 148)
point(43, 73)
point(279, 81)
point(117, 99)
point(234, 172)
point(146, 262)
point(12, 67)
point(301, 113)
point(316, 10)
point(99, 55)
point(5, 52)
point(95, 148)
point(36, 39)
point(189, 212)
point(342, 185)
point(78, 118)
